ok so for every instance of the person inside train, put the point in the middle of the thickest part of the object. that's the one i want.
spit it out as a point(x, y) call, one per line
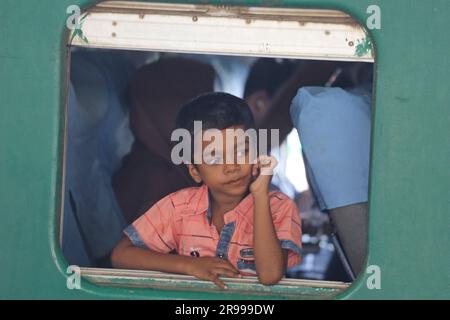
point(156, 93)
point(231, 224)
point(93, 221)
point(334, 125)
point(272, 84)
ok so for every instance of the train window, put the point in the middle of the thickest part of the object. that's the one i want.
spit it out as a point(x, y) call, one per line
point(306, 76)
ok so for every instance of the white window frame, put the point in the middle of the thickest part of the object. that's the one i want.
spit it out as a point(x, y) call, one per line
point(207, 29)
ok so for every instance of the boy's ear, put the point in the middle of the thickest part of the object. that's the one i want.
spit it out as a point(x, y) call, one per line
point(193, 171)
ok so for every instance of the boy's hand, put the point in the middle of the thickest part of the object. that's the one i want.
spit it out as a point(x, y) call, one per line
point(211, 268)
point(262, 173)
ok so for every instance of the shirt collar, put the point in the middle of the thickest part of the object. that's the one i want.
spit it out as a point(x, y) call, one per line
point(201, 200)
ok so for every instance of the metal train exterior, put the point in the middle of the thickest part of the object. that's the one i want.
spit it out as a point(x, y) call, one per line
point(409, 229)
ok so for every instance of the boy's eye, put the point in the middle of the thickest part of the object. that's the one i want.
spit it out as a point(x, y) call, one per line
point(242, 153)
point(213, 160)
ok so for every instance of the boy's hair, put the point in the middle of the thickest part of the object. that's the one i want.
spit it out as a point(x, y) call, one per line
point(268, 74)
point(216, 110)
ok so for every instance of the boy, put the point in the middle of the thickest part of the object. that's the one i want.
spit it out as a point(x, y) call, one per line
point(231, 224)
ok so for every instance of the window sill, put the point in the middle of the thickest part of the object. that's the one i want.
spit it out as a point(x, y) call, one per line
point(285, 289)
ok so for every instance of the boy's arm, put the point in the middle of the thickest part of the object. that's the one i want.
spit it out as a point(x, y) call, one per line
point(270, 258)
point(127, 256)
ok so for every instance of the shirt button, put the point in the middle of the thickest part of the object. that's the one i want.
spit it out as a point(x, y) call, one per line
point(221, 255)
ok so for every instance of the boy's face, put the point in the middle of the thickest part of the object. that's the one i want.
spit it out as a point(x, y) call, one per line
point(228, 169)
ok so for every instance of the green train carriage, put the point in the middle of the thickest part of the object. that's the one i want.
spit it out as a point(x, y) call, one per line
point(410, 154)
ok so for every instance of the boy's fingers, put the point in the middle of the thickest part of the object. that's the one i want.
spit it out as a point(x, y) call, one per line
point(219, 282)
point(227, 265)
point(267, 163)
point(226, 273)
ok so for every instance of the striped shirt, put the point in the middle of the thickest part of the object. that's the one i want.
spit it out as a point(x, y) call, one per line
point(181, 222)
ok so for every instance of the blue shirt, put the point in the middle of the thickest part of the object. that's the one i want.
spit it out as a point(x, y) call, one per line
point(334, 127)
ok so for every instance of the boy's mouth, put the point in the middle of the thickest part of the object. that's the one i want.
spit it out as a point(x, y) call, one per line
point(237, 181)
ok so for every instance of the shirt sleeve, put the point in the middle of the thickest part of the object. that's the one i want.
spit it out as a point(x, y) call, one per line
point(287, 224)
point(154, 230)
point(334, 127)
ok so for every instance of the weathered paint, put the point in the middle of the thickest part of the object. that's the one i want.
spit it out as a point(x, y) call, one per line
point(364, 47)
point(410, 176)
point(78, 31)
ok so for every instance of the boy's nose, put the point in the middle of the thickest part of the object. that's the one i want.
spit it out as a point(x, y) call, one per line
point(231, 168)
